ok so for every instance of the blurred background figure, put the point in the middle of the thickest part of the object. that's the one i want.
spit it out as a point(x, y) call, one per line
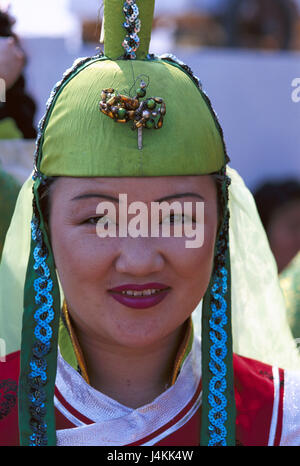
point(11, 60)
point(278, 203)
point(9, 190)
point(254, 24)
point(18, 110)
point(16, 113)
point(265, 24)
point(290, 284)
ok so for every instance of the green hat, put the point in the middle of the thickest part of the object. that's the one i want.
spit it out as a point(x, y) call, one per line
point(89, 143)
point(125, 113)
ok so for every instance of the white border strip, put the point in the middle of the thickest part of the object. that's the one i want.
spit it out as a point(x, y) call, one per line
point(273, 427)
point(178, 425)
point(67, 413)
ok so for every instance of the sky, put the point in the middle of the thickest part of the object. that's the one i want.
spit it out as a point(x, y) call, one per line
point(43, 18)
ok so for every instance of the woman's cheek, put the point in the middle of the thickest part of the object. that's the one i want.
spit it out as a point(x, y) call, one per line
point(78, 256)
point(194, 252)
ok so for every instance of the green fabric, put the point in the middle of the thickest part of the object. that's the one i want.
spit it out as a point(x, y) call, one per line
point(114, 33)
point(65, 346)
point(9, 129)
point(206, 344)
point(9, 190)
point(79, 140)
point(189, 347)
point(28, 339)
point(207, 374)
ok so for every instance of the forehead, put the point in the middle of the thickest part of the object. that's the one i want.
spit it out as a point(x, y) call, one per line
point(136, 187)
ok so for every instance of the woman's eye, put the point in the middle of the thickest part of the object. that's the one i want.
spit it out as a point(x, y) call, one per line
point(176, 218)
point(100, 220)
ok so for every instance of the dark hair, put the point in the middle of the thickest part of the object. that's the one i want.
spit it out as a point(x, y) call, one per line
point(272, 195)
point(19, 105)
point(44, 196)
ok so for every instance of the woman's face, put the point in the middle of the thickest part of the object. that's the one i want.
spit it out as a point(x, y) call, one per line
point(89, 267)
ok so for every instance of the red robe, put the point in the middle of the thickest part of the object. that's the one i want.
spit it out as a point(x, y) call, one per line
point(259, 394)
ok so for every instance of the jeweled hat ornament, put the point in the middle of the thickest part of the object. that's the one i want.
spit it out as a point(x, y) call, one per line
point(146, 114)
point(130, 86)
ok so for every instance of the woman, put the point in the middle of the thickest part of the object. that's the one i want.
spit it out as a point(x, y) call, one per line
point(278, 204)
point(129, 370)
point(18, 111)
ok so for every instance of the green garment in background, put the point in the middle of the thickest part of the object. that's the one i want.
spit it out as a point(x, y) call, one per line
point(9, 190)
point(290, 284)
point(9, 129)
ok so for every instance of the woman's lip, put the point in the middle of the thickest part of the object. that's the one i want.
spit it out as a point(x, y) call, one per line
point(136, 287)
point(140, 302)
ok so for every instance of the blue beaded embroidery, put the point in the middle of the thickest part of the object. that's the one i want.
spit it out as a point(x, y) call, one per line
point(218, 351)
point(43, 317)
point(132, 25)
point(217, 400)
point(43, 286)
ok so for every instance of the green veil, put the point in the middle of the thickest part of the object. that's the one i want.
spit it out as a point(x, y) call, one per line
point(243, 308)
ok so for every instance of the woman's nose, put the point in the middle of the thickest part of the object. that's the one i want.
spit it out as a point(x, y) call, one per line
point(139, 257)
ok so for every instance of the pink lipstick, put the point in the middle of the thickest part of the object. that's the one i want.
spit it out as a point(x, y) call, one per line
point(140, 296)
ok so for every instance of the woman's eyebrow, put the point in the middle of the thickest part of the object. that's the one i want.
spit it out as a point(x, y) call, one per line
point(115, 199)
point(179, 195)
point(98, 195)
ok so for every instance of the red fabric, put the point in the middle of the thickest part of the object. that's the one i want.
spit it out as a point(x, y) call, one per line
point(254, 393)
point(71, 410)
point(9, 376)
point(62, 422)
point(280, 408)
point(188, 435)
point(184, 433)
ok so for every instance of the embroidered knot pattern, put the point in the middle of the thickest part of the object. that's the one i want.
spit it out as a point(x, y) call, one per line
point(132, 25)
point(217, 386)
point(8, 396)
point(218, 336)
point(43, 317)
point(217, 400)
